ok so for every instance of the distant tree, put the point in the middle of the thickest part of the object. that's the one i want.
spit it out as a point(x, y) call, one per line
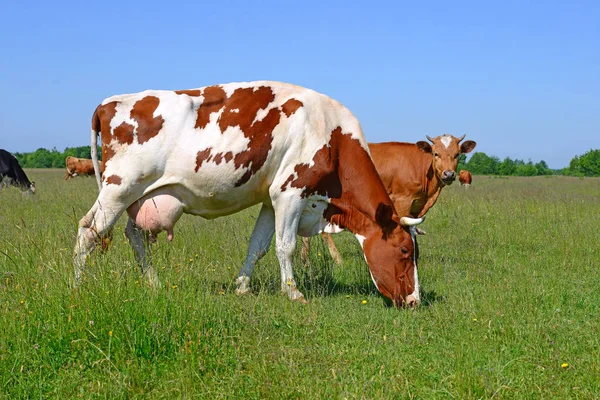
point(507, 167)
point(587, 164)
point(543, 169)
point(481, 164)
point(527, 169)
point(81, 152)
point(41, 158)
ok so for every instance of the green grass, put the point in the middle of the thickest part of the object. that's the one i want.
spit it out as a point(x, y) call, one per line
point(510, 271)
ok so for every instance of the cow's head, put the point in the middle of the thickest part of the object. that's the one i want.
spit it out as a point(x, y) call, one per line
point(391, 256)
point(445, 150)
point(32, 187)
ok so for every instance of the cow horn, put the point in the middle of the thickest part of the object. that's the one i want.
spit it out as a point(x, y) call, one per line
point(461, 138)
point(408, 221)
point(430, 139)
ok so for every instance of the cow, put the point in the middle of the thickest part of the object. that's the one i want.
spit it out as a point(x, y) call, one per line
point(465, 178)
point(79, 167)
point(216, 150)
point(413, 174)
point(11, 173)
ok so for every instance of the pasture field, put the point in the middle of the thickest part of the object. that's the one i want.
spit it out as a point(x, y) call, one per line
point(510, 271)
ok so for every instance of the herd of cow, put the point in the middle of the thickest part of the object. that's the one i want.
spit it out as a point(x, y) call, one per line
point(217, 150)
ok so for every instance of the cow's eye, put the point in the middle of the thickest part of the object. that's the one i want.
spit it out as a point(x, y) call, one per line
point(456, 156)
point(435, 154)
point(404, 251)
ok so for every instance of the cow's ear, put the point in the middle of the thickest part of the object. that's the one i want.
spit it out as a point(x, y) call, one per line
point(467, 146)
point(384, 216)
point(424, 147)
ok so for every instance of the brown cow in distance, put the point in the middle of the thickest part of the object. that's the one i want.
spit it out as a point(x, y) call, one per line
point(413, 174)
point(79, 166)
point(465, 178)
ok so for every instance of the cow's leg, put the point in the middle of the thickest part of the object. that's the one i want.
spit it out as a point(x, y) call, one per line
point(260, 241)
point(305, 251)
point(138, 239)
point(288, 211)
point(337, 257)
point(98, 222)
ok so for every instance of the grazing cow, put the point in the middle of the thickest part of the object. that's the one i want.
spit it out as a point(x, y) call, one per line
point(465, 178)
point(216, 150)
point(79, 166)
point(414, 174)
point(11, 173)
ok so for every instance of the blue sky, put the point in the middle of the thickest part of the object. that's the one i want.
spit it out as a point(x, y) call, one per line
point(522, 78)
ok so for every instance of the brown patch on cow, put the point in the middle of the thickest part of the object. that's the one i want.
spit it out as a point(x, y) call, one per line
point(241, 110)
point(214, 98)
point(189, 92)
point(287, 182)
point(322, 177)
point(290, 106)
point(261, 138)
point(113, 180)
point(243, 105)
point(218, 158)
point(101, 122)
point(202, 156)
point(143, 113)
point(344, 172)
point(124, 133)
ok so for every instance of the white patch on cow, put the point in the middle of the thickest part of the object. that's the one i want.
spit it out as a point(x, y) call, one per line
point(361, 240)
point(446, 140)
point(262, 113)
point(333, 228)
point(312, 221)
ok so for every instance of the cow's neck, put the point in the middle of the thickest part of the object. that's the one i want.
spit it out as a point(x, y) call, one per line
point(431, 183)
point(362, 192)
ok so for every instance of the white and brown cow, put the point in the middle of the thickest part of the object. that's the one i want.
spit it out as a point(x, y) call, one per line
point(217, 150)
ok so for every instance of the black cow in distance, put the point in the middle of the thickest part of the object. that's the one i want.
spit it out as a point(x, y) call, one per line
point(11, 173)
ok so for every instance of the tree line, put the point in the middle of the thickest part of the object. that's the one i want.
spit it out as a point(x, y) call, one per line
point(43, 158)
point(480, 163)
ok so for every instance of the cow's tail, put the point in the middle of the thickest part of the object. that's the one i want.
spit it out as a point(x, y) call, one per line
point(94, 147)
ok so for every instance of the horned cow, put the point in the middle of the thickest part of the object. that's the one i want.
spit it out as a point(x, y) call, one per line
point(413, 174)
point(216, 150)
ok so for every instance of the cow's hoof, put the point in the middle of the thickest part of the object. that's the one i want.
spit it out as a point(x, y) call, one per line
point(243, 285)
